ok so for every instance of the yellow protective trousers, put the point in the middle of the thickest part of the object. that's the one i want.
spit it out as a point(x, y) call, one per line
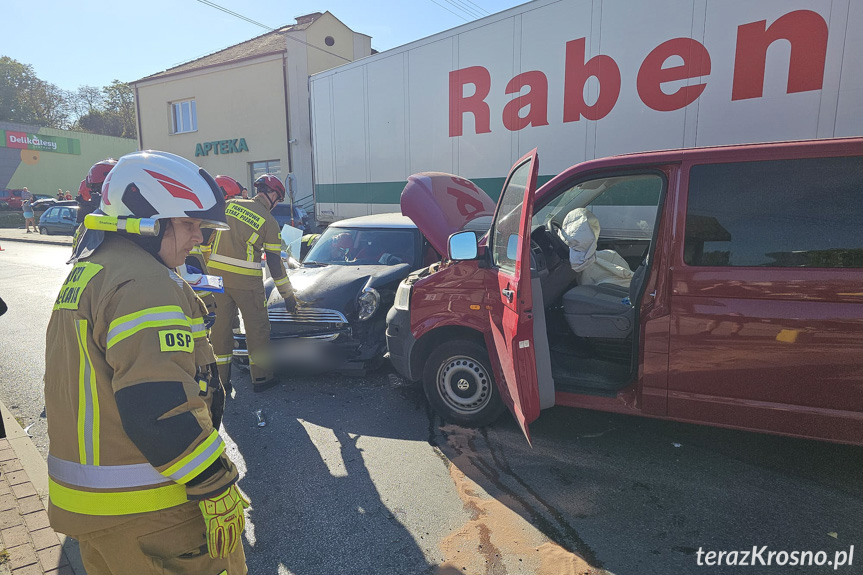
point(171, 541)
point(253, 306)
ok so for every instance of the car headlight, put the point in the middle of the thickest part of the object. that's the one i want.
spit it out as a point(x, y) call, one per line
point(403, 296)
point(367, 303)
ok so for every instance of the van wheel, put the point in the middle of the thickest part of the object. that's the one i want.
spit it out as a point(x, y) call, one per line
point(458, 382)
point(44, 231)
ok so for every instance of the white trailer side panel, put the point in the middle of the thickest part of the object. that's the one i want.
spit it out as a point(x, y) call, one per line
point(580, 79)
point(849, 116)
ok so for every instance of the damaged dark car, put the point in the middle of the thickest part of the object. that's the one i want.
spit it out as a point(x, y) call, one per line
point(348, 280)
point(346, 284)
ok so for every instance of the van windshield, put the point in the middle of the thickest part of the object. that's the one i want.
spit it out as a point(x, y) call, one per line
point(624, 205)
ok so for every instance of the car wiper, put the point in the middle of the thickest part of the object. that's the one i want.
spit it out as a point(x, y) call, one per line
point(313, 263)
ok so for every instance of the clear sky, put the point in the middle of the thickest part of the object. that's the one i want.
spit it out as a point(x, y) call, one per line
point(72, 43)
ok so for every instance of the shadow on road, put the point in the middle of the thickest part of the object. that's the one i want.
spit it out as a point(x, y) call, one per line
point(315, 507)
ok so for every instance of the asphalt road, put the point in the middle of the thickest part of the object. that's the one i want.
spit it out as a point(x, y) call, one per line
point(358, 476)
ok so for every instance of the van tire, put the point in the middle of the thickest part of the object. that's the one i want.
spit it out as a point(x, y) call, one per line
point(44, 231)
point(459, 384)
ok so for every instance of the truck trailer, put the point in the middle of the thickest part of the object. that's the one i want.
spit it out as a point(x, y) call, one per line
point(578, 80)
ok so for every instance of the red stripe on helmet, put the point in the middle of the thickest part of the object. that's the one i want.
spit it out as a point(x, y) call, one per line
point(176, 189)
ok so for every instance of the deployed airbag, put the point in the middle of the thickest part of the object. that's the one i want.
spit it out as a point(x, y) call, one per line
point(580, 231)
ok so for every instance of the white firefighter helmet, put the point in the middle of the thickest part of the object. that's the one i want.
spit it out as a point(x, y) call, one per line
point(159, 185)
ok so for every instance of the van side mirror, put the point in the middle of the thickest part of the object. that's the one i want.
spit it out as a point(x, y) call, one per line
point(462, 246)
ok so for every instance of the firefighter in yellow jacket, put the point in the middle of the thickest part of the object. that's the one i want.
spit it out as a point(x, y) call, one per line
point(137, 471)
point(236, 256)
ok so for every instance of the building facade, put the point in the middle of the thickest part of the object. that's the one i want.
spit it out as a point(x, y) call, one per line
point(244, 111)
point(45, 160)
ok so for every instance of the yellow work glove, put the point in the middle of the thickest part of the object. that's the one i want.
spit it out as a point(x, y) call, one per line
point(223, 516)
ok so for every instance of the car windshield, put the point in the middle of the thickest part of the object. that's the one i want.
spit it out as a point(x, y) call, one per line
point(364, 246)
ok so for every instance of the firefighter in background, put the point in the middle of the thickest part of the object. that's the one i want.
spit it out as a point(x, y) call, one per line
point(306, 243)
point(197, 260)
point(90, 192)
point(236, 256)
point(137, 471)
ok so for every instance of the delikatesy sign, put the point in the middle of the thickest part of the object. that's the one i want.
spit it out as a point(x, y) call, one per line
point(40, 143)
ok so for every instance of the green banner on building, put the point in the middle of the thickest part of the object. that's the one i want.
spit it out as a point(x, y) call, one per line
point(25, 141)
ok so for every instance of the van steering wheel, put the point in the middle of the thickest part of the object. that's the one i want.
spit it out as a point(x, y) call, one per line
point(555, 233)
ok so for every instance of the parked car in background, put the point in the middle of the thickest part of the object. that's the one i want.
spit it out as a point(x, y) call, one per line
point(59, 219)
point(11, 199)
point(300, 219)
point(44, 203)
point(347, 281)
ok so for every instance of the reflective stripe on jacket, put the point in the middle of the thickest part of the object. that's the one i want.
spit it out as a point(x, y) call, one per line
point(129, 429)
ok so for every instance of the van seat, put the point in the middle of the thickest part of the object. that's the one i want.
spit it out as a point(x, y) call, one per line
point(599, 310)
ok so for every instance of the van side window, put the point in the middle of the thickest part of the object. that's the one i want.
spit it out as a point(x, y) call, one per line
point(505, 241)
point(782, 213)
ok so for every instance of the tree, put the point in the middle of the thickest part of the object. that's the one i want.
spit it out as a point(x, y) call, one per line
point(27, 99)
point(50, 104)
point(98, 122)
point(16, 80)
point(85, 100)
point(120, 102)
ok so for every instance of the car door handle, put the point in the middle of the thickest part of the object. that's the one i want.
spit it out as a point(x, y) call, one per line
point(508, 294)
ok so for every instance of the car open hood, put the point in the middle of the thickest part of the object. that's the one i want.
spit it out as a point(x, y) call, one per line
point(441, 204)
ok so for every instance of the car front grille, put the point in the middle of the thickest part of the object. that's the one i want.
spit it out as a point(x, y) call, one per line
point(314, 318)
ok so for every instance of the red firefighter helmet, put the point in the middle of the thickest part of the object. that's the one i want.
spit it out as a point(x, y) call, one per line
point(270, 183)
point(230, 187)
point(98, 173)
point(84, 190)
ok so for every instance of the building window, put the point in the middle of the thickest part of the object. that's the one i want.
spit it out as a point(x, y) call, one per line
point(258, 169)
point(778, 213)
point(184, 117)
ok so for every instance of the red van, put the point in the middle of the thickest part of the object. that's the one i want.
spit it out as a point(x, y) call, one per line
point(728, 292)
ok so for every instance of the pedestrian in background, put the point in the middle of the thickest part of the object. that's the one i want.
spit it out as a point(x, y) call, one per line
point(29, 215)
point(60, 196)
point(137, 470)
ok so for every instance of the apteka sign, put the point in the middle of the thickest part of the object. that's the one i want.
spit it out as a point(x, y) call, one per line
point(221, 147)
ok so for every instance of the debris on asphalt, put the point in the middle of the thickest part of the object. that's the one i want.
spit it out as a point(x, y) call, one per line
point(834, 535)
point(597, 434)
point(677, 444)
point(261, 418)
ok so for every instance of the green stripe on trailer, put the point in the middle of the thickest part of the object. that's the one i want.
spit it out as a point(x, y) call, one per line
point(391, 192)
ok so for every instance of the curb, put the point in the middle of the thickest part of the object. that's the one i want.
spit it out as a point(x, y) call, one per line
point(37, 470)
point(34, 241)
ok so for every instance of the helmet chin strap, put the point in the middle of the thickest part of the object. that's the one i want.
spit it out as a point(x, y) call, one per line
point(272, 203)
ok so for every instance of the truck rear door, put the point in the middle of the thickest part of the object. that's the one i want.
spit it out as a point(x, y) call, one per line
point(509, 293)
